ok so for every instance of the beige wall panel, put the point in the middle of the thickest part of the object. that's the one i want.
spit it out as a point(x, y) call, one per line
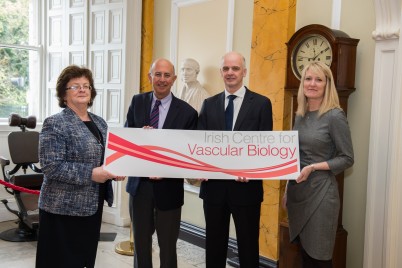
point(162, 10)
point(313, 12)
point(359, 112)
point(202, 35)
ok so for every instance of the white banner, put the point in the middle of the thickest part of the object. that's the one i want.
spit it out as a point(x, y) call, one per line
point(202, 154)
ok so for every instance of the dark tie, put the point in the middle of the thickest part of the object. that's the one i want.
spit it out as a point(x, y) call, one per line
point(155, 114)
point(229, 113)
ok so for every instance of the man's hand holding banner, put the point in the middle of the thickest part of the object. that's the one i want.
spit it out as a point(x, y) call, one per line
point(202, 154)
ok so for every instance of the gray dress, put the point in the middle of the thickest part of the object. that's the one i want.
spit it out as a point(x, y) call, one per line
point(313, 205)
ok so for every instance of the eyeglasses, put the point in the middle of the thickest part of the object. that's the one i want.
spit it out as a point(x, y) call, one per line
point(86, 87)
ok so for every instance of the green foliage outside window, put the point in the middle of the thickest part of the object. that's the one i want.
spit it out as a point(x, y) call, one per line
point(14, 62)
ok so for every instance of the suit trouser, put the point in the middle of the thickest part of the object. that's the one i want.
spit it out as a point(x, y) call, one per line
point(247, 223)
point(146, 218)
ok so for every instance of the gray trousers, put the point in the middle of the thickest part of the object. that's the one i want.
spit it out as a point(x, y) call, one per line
point(146, 219)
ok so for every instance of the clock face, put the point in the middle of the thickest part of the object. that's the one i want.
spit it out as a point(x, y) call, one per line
point(310, 49)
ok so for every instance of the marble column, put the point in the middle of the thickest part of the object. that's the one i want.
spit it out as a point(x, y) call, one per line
point(147, 41)
point(273, 25)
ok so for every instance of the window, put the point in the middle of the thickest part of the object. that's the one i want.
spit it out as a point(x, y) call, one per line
point(20, 58)
point(39, 38)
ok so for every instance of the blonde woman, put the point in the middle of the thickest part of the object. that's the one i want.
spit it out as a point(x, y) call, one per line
point(312, 200)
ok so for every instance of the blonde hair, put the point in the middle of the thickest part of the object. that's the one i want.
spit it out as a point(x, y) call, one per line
point(330, 99)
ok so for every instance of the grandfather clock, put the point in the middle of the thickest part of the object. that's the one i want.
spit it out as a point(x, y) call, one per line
point(336, 49)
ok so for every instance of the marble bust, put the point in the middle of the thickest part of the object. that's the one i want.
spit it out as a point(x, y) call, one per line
point(192, 91)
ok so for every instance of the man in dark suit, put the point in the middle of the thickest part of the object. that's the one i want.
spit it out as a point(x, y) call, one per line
point(240, 198)
point(155, 203)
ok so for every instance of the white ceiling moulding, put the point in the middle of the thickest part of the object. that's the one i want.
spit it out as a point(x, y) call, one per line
point(388, 19)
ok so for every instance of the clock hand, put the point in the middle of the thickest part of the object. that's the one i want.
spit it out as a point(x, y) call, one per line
point(301, 57)
point(305, 57)
point(322, 51)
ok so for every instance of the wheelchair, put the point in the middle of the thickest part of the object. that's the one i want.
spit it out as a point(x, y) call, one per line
point(23, 148)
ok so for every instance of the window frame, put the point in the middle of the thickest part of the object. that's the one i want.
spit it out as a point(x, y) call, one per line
point(37, 38)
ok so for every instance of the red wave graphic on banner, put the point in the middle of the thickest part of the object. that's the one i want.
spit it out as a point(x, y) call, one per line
point(147, 152)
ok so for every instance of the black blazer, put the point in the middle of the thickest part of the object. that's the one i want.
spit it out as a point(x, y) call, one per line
point(255, 115)
point(168, 193)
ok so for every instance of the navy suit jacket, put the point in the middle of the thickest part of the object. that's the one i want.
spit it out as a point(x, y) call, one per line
point(255, 115)
point(168, 193)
